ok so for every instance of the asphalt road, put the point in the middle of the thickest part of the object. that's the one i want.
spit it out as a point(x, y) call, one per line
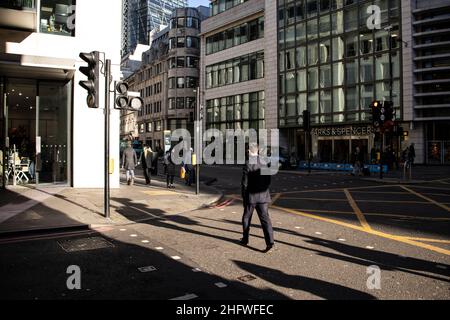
point(332, 232)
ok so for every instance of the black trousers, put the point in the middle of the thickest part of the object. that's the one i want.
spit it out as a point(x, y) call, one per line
point(147, 175)
point(263, 213)
point(170, 179)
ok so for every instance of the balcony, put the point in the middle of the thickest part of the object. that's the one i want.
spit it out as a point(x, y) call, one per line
point(18, 14)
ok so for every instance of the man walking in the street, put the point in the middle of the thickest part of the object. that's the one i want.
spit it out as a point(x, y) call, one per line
point(129, 162)
point(256, 195)
point(147, 163)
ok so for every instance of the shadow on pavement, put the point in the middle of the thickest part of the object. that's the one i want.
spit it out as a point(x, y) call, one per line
point(357, 255)
point(320, 288)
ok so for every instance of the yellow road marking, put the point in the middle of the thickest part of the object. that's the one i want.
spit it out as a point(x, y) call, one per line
point(427, 240)
point(357, 211)
point(377, 215)
point(364, 200)
point(369, 231)
point(443, 206)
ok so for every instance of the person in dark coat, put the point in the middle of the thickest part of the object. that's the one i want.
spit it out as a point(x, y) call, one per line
point(256, 195)
point(170, 169)
point(411, 153)
point(129, 162)
point(147, 163)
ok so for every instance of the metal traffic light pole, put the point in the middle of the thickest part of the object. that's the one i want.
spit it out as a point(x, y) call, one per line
point(107, 137)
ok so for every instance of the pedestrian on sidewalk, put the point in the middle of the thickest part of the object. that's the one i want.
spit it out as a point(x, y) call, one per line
point(190, 171)
point(170, 169)
point(411, 154)
point(147, 163)
point(256, 195)
point(129, 162)
point(358, 162)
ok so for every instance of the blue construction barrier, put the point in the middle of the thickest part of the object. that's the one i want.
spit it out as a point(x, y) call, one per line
point(325, 166)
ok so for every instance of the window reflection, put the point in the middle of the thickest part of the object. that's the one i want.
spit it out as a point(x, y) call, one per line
point(58, 17)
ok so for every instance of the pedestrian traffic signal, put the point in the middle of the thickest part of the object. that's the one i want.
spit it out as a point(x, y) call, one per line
point(126, 100)
point(389, 110)
point(92, 71)
point(376, 108)
point(307, 120)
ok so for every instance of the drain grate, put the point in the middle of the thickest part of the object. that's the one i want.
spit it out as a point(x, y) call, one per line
point(85, 244)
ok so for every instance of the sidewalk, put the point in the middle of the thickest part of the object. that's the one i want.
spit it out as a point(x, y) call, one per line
point(26, 209)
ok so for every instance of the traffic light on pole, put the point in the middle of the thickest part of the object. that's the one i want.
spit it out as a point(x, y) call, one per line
point(126, 100)
point(307, 120)
point(92, 72)
point(376, 108)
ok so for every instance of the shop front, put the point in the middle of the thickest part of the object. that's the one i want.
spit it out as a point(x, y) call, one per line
point(338, 144)
point(35, 135)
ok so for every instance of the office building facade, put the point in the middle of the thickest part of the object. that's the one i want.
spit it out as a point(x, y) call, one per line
point(238, 65)
point(140, 17)
point(426, 69)
point(48, 134)
point(169, 77)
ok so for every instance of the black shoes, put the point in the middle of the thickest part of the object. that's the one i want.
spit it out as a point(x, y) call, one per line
point(244, 242)
point(269, 248)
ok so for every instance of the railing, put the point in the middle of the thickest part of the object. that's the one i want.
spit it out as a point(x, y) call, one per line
point(18, 4)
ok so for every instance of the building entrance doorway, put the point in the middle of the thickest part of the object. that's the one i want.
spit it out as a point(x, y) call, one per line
point(35, 135)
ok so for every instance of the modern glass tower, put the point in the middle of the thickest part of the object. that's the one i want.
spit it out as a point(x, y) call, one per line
point(142, 16)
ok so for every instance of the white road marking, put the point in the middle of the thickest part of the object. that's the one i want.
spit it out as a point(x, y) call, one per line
point(123, 230)
point(221, 285)
point(319, 233)
point(234, 212)
point(196, 270)
point(176, 258)
point(188, 296)
point(342, 239)
point(159, 248)
point(441, 267)
point(145, 241)
point(370, 248)
point(133, 235)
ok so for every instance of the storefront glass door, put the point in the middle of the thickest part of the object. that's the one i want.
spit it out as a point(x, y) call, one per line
point(35, 132)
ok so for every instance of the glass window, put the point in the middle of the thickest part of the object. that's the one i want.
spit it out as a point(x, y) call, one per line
point(366, 71)
point(290, 59)
point(192, 42)
point(351, 19)
point(325, 101)
point(56, 16)
point(192, 62)
point(311, 8)
point(181, 42)
point(191, 82)
point(302, 103)
point(180, 23)
point(337, 23)
point(300, 33)
point(301, 80)
point(325, 51)
point(324, 25)
point(180, 103)
point(172, 82)
point(382, 66)
point(367, 95)
point(351, 68)
point(290, 106)
point(290, 36)
point(180, 82)
point(338, 100)
point(313, 54)
point(351, 46)
point(180, 62)
point(312, 29)
point(300, 9)
point(313, 102)
point(313, 78)
point(301, 57)
point(352, 100)
point(338, 74)
point(290, 82)
point(325, 76)
point(338, 48)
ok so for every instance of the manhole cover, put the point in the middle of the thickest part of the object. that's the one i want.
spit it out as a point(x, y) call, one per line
point(85, 244)
point(147, 269)
point(247, 278)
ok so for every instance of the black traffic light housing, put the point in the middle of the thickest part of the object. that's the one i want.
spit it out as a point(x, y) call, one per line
point(125, 101)
point(92, 72)
point(376, 108)
point(307, 120)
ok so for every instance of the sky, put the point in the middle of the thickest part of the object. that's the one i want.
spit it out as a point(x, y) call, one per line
point(196, 3)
